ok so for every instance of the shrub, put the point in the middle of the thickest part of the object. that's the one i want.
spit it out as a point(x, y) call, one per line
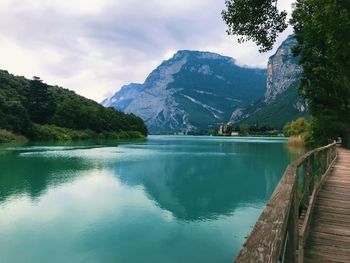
point(7, 136)
point(54, 133)
point(243, 129)
point(297, 127)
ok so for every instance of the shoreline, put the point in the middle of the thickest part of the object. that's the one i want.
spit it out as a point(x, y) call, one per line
point(66, 135)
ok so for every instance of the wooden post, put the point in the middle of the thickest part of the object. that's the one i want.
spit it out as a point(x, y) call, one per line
point(295, 226)
point(305, 193)
point(312, 172)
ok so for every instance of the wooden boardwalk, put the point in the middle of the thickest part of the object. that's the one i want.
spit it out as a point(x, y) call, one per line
point(329, 238)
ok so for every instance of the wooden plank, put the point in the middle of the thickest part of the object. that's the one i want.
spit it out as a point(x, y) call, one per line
point(324, 240)
point(331, 209)
point(338, 204)
point(332, 229)
point(325, 256)
point(329, 239)
point(304, 230)
point(334, 197)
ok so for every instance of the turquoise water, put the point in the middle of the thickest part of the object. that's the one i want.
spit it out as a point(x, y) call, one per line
point(164, 199)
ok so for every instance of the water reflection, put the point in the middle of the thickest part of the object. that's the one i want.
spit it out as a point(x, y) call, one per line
point(193, 181)
point(28, 169)
point(33, 176)
point(169, 199)
point(211, 181)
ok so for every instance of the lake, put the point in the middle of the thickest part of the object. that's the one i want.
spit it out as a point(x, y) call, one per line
point(163, 199)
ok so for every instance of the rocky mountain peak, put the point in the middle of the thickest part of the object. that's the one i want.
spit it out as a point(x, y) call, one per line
point(283, 70)
point(282, 101)
point(192, 90)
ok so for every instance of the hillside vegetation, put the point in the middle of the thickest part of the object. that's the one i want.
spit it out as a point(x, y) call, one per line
point(43, 112)
point(277, 113)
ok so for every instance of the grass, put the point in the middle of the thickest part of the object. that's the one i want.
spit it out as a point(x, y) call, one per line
point(296, 141)
point(7, 136)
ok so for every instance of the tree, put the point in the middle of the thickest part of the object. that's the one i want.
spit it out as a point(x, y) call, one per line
point(243, 129)
point(39, 101)
point(322, 28)
point(259, 21)
point(40, 111)
point(297, 127)
point(229, 128)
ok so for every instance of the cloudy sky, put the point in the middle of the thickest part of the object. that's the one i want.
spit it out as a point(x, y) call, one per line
point(95, 46)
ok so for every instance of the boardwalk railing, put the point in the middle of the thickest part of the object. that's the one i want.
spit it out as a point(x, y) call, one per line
point(281, 230)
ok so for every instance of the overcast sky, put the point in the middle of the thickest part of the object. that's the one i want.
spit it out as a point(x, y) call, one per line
point(95, 46)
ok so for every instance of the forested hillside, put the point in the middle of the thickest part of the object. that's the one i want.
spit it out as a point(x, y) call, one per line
point(43, 112)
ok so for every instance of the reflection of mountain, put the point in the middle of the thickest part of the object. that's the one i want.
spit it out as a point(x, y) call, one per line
point(32, 175)
point(194, 179)
point(204, 185)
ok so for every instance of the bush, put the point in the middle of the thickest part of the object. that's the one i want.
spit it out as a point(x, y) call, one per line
point(243, 129)
point(6, 136)
point(54, 133)
point(50, 133)
point(298, 132)
point(297, 127)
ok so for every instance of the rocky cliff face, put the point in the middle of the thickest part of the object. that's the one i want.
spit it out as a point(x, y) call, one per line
point(283, 70)
point(281, 102)
point(122, 99)
point(192, 90)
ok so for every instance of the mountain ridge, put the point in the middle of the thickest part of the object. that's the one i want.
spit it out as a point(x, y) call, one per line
point(192, 90)
point(198, 90)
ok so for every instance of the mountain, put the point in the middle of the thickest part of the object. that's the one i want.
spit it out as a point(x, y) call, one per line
point(122, 99)
point(40, 111)
point(282, 101)
point(283, 70)
point(191, 91)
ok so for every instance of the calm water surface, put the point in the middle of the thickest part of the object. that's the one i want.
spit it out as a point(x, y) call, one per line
point(165, 199)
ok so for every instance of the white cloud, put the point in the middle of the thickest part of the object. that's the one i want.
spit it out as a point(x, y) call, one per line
point(96, 46)
point(73, 7)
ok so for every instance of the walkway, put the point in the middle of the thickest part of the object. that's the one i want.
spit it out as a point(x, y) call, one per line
point(329, 238)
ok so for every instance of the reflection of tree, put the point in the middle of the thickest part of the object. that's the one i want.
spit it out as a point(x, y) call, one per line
point(295, 151)
point(32, 175)
point(201, 186)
